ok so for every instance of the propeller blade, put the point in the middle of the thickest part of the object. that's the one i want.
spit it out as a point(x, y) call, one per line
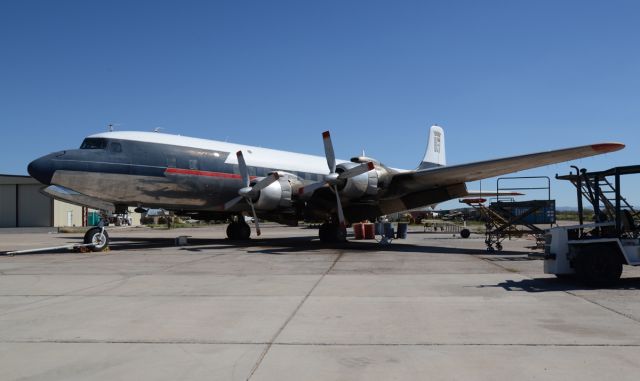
point(355, 171)
point(229, 204)
point(255, 217)
point(328, 151)
point(339, 207)
point(265, 182)
point(242, 166)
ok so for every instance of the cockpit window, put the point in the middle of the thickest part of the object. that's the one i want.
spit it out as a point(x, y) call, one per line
point(94, 143)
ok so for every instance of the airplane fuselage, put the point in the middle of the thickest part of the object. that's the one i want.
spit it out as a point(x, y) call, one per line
point(167, 171)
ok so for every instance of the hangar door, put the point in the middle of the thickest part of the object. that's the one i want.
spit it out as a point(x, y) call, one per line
point(22, 205)
point(8, 206)
point(34, 208)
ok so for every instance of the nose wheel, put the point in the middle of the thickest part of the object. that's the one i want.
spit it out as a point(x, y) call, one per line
point(98, 238)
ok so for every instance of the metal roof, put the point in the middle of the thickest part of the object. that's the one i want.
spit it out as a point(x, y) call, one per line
point(17, 179)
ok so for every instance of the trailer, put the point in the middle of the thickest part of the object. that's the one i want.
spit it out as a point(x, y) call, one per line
point(596, 252)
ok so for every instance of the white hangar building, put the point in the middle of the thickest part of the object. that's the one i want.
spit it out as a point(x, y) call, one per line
point(22, 205)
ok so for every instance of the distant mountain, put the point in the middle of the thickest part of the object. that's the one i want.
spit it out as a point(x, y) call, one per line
point(575, 208)
point(566, 208)
point(587, 206)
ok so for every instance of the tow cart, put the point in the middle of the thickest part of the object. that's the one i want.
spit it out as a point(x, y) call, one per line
point(95, 239)
point(595, 252)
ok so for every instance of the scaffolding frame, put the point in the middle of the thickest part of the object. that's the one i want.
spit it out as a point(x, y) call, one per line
point(507, 219)
point(595, 187)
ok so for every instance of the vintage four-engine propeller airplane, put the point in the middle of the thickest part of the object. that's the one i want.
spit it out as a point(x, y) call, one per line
point(209, 179)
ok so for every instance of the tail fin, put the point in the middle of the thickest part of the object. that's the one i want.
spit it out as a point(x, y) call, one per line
point(435, 155)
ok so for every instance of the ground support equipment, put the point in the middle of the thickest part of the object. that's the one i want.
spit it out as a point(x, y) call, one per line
point(595, 252)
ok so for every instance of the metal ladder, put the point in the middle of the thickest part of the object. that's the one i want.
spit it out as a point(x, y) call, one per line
point(602, 191)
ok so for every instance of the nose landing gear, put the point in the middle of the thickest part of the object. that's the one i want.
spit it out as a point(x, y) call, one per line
point(97, 237)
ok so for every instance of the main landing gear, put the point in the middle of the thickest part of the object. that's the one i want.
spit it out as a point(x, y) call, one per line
point(238, 230)
point(331, 232)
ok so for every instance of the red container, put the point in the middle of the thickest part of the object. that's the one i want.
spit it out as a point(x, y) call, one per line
point(369, 231)
point(358, 231)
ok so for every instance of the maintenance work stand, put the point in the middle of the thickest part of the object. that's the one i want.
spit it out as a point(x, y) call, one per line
point(595, 252)
point(505, 218)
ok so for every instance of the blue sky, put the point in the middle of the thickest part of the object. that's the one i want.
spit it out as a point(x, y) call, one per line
point(502, 77)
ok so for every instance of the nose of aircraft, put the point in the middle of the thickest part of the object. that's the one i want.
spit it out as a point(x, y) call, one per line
point(41, 169)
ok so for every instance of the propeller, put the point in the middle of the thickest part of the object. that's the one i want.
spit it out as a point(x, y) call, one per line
point(333, 177)
point(248, 192)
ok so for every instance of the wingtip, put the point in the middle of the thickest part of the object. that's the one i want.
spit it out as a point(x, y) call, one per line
point(607, 147)
point(326, 134)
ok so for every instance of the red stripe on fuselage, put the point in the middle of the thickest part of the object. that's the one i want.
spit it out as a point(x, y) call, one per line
point(193, 172)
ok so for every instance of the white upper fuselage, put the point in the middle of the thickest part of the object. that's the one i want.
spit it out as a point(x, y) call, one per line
point(254, 156)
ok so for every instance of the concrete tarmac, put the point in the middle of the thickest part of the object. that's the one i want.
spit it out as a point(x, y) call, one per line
point(285, 307)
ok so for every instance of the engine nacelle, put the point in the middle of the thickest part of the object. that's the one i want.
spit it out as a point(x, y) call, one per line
point(276, 195)
point(365, 184)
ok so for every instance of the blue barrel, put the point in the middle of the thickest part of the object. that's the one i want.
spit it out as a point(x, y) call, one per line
point(379, 228)
point(403, 227)
point(388, 230)
point(93, 218)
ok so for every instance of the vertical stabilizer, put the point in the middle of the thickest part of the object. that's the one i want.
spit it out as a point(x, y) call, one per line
point(435, 155)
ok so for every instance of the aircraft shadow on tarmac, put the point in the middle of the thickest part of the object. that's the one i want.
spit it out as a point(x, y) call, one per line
point(291, 245)
point(281, 246)
point(555, 285)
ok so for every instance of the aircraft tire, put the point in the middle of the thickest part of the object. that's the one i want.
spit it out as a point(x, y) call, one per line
point(598, 267)
point(323, 233)
point(340, 234)
point(233, 231)
point(244, 231)
point(238, 231)
point(465, 233)
point(567, 277)
point(94, 237)
point(331, 233)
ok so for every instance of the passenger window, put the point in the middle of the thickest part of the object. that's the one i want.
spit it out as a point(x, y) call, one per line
point(116, 147)
point(193, 164)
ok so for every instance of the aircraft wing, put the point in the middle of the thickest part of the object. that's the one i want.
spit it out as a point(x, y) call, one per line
point(73, 197)
point(432, 178)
